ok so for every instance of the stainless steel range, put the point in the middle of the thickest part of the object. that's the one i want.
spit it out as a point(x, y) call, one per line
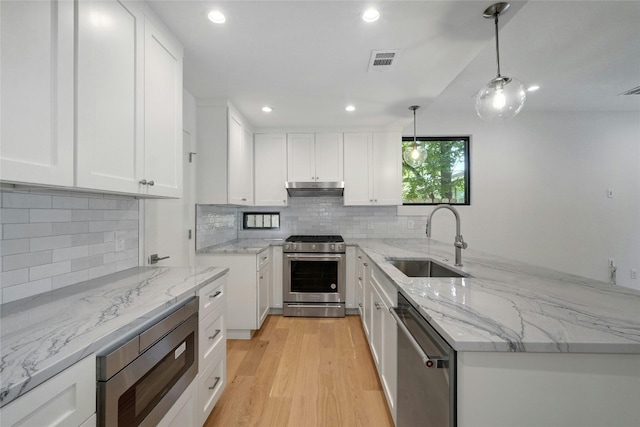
point(314, 276)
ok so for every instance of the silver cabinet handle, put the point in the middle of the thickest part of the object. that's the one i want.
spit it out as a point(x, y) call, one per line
point(377, 306)
point(215, 383)
point(244, 200)
point(215, 334)
point(359, 304)
point(154, 258)
point(215, 295)
point(261, 277)
point(150, 183)
point(143, 182)
point(365, 264)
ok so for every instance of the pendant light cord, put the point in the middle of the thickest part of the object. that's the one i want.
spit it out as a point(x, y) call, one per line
point(497, 44)
point(415, 144)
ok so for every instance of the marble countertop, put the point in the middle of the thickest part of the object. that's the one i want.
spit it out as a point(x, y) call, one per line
point(511, 306)
point(45, 334)
point(240, 246)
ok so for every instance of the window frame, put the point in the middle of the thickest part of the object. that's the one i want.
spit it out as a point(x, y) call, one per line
point(467, 167)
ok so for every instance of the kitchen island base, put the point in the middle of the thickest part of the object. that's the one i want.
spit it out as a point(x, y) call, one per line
point(548, 389)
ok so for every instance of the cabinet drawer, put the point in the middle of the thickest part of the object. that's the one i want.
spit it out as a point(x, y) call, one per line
point(213, 337)
point(67, 399)
point(211, 384)
point(388, 291)
point(212, 296)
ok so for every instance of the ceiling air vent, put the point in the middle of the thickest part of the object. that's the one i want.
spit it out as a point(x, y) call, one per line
point(634, 91)
point(383, 60)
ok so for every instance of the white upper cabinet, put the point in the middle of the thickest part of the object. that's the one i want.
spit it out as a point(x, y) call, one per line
point(110, 146)
point(270, 169)
point(372, 168)
point(129, 122)
point(314, 157)
point(225, 156)
point(162, 113)
point(36, 82)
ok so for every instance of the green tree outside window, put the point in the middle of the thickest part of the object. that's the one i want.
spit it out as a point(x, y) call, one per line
point(444, 175)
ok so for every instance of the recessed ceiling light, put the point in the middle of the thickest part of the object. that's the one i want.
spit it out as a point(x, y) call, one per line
point(267, 109)
point(216, 17)
point(533, 88)
point(350, 108)
point(370, 15)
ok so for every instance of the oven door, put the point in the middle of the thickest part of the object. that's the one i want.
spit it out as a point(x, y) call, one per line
point(312, 277)
point(143, 392)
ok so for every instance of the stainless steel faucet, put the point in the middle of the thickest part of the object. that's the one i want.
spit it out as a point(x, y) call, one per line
point(459, 242)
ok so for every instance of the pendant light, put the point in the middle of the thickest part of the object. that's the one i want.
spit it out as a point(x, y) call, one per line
point(503, 97)
point(414, 155)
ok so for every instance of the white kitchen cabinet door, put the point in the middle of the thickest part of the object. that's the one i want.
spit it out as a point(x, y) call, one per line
point(387, 168)
point(329, 157)
point(67, 399)
point(270, 169)
point(264, 287)
point(277, 271)
point(240, 164)
point(37, 81)
point(162, 113)
point(110, 93)
point(372, 168)
point(301, 157)
point(358, 185)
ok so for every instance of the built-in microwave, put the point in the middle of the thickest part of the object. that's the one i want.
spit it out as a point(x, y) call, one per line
point(141, 377)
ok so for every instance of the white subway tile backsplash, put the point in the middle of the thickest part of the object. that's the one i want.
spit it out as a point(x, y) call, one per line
point(15, 262)
point(70, 253)
point(66, 202)
point(14, 216)
point(49, 270)
point(46, 242)
point(49, 242)
point(25, 200)
point(12, 247)
point(19, 231)
point(14, 277)
point(50, 215)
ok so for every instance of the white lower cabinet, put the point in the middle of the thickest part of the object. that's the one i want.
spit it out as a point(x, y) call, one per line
point(212, 349)
point(67, 399)
point(277, 270)
point(379, 296)
point(249, 286)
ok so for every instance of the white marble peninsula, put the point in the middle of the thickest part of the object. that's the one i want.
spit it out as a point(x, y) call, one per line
point(535, 347)
point(46, 334)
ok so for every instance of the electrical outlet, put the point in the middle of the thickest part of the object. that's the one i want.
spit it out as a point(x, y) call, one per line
point(119, 240)
point(411, 224)
point(634, 273)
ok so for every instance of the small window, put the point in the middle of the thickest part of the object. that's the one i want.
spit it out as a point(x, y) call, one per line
point(443, 176)
point(261, 220)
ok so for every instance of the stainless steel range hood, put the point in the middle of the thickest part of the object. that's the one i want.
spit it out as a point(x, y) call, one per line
point(315, 189)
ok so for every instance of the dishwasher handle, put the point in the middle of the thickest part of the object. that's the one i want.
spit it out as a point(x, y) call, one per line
point(429, 361)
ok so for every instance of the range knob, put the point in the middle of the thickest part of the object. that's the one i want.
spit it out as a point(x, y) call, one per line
point(313, 247)
point(295, 246)
point(333, 247)
point(286, 247)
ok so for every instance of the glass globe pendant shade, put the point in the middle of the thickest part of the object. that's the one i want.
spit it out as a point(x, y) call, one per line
point(502, 98)
point(414, 155)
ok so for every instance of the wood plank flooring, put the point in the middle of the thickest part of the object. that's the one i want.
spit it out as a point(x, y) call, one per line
point(302, 372)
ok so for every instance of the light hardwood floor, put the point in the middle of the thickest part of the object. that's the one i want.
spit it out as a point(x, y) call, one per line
point(302, 372)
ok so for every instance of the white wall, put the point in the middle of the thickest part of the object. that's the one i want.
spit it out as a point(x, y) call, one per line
point(539, 189)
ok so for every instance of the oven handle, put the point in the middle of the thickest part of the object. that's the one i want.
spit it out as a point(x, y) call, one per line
point(429, 361)
point(315, 256)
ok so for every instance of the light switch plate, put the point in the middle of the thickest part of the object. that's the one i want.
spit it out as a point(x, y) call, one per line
point(121, 236)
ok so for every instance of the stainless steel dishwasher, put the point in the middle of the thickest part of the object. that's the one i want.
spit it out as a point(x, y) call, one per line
point(426, 372)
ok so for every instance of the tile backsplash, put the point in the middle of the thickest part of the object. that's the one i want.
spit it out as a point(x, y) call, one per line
point(307, 215)
point(51, 239)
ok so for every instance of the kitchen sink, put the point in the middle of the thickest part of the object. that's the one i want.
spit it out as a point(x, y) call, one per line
point(424, 268)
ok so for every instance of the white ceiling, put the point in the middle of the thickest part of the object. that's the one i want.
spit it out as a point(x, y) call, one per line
point(309, 59)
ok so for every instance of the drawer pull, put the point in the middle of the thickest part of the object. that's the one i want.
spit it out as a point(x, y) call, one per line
point(377, 306)
point(215, 334)
point(215, 295)
point(215, 383)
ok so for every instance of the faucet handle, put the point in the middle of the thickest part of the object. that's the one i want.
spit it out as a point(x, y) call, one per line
point(460, 243)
